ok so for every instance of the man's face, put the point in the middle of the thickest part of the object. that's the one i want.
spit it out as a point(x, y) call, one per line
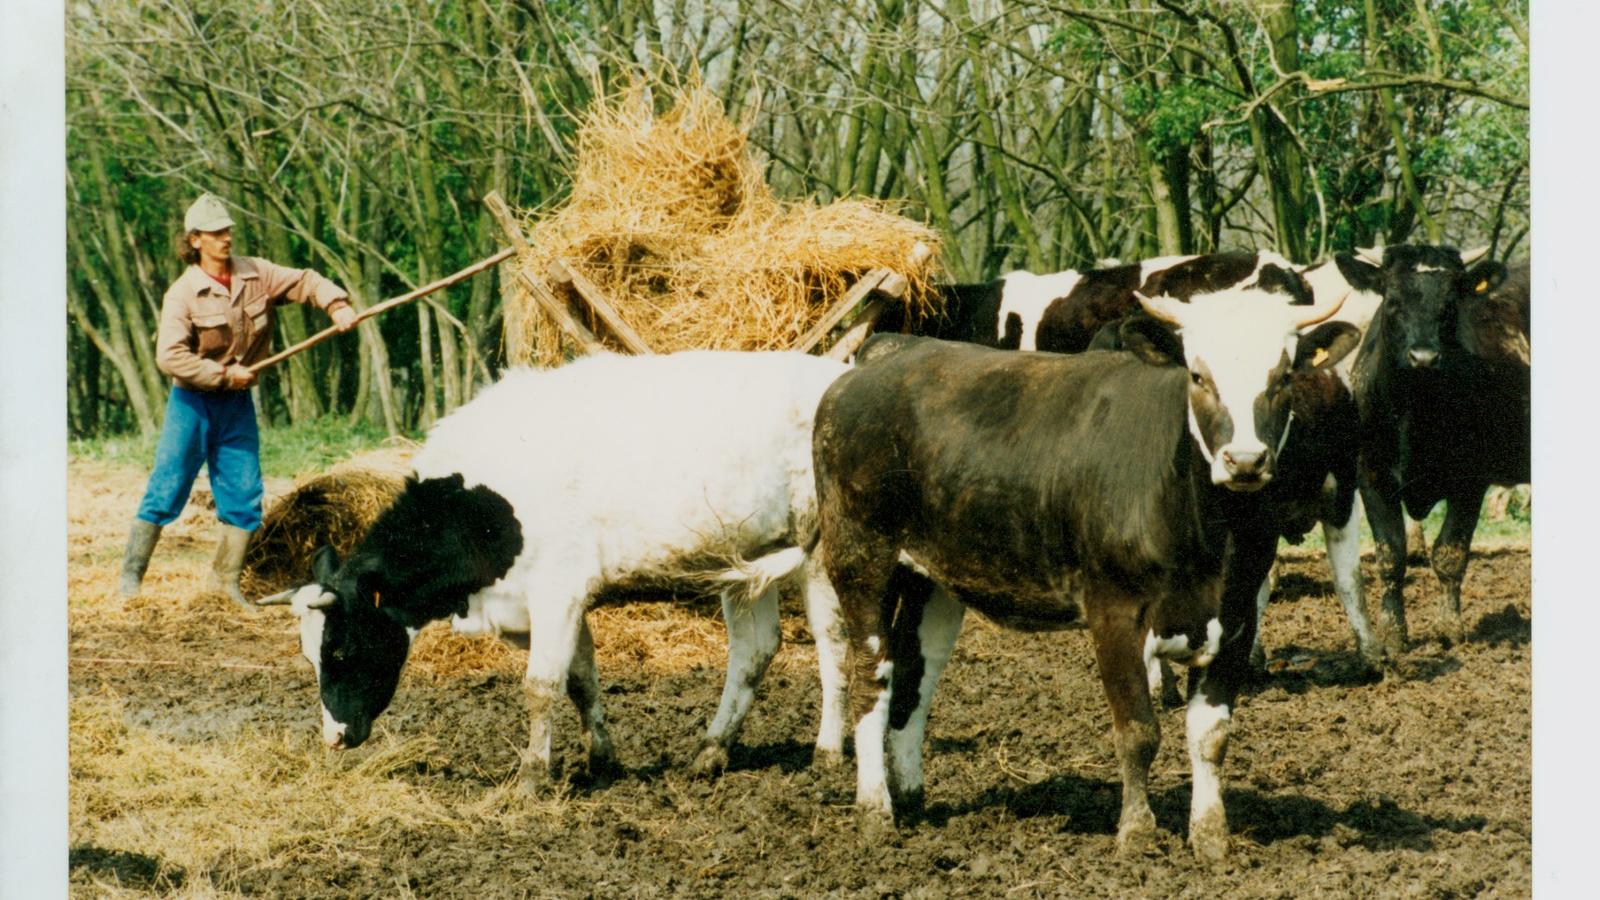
point(214, 246)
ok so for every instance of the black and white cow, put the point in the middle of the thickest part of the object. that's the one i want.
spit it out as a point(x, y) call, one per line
point(1113, 490)
point(1066, 311)
point(1061, 312)
point(1443, 388)
point(1021, 309)
point(552, 491)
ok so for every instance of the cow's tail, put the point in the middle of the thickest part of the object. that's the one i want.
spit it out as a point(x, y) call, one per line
point(758, 574)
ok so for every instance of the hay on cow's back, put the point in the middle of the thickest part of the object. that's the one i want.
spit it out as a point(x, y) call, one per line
point(335, 508)
point(671, 217)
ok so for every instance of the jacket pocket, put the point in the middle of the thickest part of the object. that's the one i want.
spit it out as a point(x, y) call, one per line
point(213, 335)
point(259, 312)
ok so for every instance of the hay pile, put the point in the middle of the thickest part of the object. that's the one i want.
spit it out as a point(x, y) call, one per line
point(671, 218)
point(335, 508)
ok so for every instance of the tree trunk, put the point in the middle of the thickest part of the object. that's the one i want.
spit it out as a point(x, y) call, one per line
point(113, 346)
point(299, 384)
point(1411, 194)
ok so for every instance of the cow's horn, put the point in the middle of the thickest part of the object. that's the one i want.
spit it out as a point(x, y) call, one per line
point(1160, 308)
point(1372, 255)
point(1322, 314)
point(327, 598)
point(1468, 257)
point(281, 598)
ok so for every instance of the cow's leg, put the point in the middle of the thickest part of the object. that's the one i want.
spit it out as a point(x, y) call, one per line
point(583, 688)
point(1381, 496)
point(1258, 653)
point(860, 566)
point(555, 621)
point(753, 638)
point(1344, 558)
point(920, 646)
point(1207, 724)
point(1119, 652)
point(1214, 690)
point(1163, 687)
point(1450, 551)
point(827, 627)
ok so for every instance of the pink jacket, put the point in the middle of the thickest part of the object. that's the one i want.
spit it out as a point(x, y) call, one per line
point(205, 328)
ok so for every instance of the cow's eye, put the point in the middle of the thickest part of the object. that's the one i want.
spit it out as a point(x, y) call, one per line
point(1197, 378)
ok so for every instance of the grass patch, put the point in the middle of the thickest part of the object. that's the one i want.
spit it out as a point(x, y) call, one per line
point(1494, 526)
point(287, 451)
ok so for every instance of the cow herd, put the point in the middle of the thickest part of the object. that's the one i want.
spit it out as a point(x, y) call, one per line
point(1133, 479)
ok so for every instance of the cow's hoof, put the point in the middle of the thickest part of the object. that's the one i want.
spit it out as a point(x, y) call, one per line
point(1453, 633)
point(1373, 656)
point(1209, 837)
point(876, 826)
point(603, 768)
point(827, 759)
point(908, 805)
point(1392, 637)
point(711, 760)
point(1371, 664)
point(534, 780)
point(1137, 836)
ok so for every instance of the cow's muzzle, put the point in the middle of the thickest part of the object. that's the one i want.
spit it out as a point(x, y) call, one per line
point(1245, 470)
point(1422, 357)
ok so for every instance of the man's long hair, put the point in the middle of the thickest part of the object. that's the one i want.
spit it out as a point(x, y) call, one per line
point(188, 253)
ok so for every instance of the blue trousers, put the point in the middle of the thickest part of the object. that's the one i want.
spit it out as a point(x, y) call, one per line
point(217, 428)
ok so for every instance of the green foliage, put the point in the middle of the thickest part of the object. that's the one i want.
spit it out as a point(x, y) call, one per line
point(1172, 117)
point(315, 120)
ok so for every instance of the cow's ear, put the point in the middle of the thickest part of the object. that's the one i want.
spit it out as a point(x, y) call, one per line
point(1108, 337)
point(1325, 345)
point(1151, 341)
point(1362, 275)
point(1482, 278)
point(324, 564)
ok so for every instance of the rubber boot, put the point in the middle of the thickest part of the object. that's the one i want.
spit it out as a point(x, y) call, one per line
point(229, 563)
point(136, 559)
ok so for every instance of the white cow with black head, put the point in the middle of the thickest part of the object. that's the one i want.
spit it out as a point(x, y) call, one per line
point(553, 490)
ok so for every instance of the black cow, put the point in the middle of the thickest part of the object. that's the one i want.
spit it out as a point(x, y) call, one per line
point(1442, 385)
point(1113, 490)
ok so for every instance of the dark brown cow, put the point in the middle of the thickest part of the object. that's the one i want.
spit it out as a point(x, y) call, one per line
point(1064, 312)
point(1113, 490)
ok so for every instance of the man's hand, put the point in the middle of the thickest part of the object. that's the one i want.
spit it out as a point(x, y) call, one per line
point(344, 318)
point(237, 378)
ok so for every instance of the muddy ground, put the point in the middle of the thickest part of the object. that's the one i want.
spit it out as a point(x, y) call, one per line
point(1416, 785)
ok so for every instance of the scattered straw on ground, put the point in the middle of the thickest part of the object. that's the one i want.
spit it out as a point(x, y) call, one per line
point(267, 798)
point(671, 217)
point(662, 638)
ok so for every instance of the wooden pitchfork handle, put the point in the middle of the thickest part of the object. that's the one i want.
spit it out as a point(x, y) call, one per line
point(385, 306)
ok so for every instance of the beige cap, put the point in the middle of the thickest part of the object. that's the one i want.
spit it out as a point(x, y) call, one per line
point(207, 214)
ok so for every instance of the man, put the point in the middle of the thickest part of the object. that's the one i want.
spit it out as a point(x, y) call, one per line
point(216, 321)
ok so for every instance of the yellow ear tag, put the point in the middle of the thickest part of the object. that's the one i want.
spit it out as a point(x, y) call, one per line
point(377, 599)
point(1319, 356)
point(1482, 286)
